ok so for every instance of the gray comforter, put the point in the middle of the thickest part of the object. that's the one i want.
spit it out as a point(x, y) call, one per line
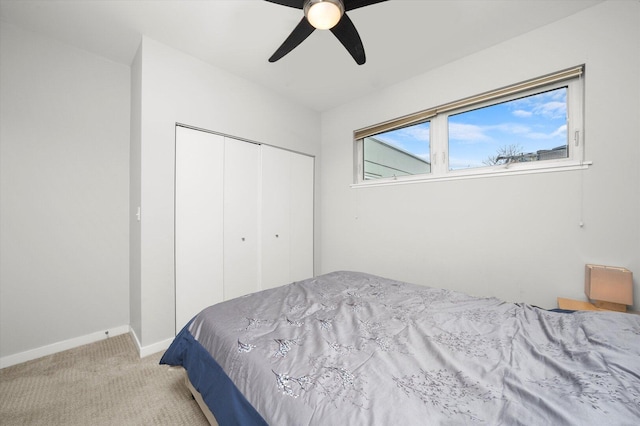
point(355, 349)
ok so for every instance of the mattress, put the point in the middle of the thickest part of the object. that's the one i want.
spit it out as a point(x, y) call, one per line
point(354, 348)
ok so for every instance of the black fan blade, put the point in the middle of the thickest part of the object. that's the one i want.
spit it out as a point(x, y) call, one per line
point(298, 4)
point(346, 32)
point(355, 4)
point(297, 36)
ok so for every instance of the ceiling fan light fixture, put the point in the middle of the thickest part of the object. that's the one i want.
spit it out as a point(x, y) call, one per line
point(323, 14)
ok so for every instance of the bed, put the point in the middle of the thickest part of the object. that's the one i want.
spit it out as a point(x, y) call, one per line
point(357, 349)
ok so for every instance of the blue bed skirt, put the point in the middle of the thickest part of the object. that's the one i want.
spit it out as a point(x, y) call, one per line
point(222, 397)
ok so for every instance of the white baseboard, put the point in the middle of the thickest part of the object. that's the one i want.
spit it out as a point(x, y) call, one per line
point(150, 349)
point(8, 361)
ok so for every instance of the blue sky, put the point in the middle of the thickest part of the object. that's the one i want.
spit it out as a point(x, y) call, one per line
point(532, 123)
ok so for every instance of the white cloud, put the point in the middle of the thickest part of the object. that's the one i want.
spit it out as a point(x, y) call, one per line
point(522, 113)
point(510, 128)
point(420, 133)
point(551, 109)
point(468, 132)
point(552, 104)
point(560, 131)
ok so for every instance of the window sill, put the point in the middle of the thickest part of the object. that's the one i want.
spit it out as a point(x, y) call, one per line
point(476, 174)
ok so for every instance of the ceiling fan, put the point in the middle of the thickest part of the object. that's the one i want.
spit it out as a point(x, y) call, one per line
point(325, 15)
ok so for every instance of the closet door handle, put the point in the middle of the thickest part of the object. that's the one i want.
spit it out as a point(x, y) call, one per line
point(242, 238)
point(277, 236)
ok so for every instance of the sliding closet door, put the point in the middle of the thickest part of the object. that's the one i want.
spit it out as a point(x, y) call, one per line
point(275, 217)
point(301, 222)
point(198, 222)
point(241, 217)
point(287, 217)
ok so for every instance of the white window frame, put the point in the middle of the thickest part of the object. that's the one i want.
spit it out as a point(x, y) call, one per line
point(439, 144)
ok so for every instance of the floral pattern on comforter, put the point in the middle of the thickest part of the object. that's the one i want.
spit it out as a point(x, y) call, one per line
point(357, 349)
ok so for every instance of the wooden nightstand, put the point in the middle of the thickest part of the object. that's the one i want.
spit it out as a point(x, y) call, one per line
point(578, 305)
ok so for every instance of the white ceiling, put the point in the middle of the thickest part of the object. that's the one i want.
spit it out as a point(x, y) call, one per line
point(402, 38)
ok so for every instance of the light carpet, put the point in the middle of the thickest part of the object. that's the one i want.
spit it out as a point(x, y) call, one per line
point(104, 383)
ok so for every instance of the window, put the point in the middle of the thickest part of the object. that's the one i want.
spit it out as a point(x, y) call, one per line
point(531, 128)
point(400, 152)
point(528, 127)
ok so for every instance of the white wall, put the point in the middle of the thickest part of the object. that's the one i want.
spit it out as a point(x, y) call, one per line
point(174, 88)
point(66, 208)
point(64, 188)
point(515, 237)
point(135, 277)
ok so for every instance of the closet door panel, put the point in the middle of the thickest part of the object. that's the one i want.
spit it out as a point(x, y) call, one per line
point(301, 222)
point(241, 219)
point(198, 222)
point(275, 217)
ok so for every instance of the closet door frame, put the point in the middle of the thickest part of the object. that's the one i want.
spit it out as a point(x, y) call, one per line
point(215, 271)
